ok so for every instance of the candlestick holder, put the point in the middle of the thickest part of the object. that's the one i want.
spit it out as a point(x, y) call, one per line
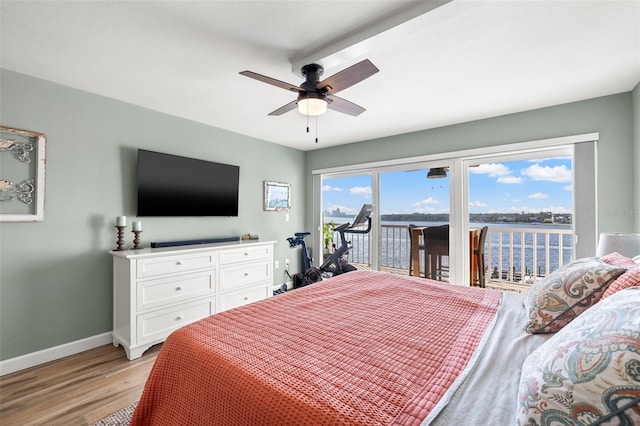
point(120, 238)
point(136, 239)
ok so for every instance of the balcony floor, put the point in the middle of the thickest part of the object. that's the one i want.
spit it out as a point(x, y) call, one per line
point(498, 285)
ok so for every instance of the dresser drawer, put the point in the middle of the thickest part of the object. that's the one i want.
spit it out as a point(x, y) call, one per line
point(164, 291)
point(244, 254)
point(174, 264)
point(234, 299)
point(158, 325)
point(232, 277)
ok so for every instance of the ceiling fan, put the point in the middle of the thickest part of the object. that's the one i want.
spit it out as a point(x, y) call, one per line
point(315, 96)
point(441, 172)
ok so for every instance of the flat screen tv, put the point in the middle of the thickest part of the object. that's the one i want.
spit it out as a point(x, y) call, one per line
point(170, 185)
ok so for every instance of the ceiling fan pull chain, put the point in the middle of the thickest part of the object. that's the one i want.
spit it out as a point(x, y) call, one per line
point(316, 129)
point(307, 117)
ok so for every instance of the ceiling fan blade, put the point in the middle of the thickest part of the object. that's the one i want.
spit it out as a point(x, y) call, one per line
point(272, 81)
point(344, 106)
point(348, 77)
point(285, 108)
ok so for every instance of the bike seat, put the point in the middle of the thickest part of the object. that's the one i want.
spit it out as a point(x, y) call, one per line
point(302, 234)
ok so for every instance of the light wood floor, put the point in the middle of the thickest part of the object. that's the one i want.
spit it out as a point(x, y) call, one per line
point(77, 390)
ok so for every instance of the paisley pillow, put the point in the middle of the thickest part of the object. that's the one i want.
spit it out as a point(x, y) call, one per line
point(630, 278)
point(589, 371)
point(555, 300)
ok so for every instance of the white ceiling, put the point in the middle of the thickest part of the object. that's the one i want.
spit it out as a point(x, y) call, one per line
point(461, 61)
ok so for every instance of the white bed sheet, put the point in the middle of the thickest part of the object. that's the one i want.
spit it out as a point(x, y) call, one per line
point(488, 395)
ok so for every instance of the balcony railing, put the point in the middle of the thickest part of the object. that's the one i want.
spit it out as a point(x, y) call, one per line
point(523, 255)
point(513, 256)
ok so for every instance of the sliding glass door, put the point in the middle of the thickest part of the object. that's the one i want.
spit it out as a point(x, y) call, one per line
point(411, 201)
point(525, 200)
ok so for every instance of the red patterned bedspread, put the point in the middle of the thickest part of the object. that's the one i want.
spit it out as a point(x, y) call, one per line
point(360, 348)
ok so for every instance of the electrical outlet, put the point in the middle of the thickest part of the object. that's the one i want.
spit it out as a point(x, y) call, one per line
point(277, 264)
point(286, 264)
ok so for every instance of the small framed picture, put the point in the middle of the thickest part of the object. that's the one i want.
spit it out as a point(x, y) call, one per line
point(277, 196)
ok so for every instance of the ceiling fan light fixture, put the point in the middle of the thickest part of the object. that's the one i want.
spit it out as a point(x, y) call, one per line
point(312, 106)
point(436, 173)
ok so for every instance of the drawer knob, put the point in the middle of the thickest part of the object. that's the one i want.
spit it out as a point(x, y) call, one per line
point(179, 318)
point(246, 274)
point(179, 288)
point(246, 298)
point(178, 263)
point(246, 254)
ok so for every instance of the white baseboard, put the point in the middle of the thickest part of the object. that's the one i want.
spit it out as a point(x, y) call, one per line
point(288, 283)
point(51, 354)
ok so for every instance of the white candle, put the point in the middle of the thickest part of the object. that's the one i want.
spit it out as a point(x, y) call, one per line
point(121, 221)
point(136, 225)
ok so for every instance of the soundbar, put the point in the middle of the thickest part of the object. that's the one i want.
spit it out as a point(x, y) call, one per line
point(192, 242)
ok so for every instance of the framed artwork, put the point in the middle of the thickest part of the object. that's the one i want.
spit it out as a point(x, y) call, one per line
point(22, 175)
point(277, 196)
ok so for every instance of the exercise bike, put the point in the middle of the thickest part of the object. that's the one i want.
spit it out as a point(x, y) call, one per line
point(335, 264)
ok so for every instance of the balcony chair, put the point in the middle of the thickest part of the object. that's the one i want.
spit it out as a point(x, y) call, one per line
point(411, 243)
point(436, 247)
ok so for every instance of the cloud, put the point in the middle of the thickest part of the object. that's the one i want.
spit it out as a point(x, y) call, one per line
point(477, 204)
point(426, 202)
point(568, 187)
point(431, 210)
point(492, 169)
point(327, 188)
point(518, 209)
point(425, 210)
point(509, 179)
point(360, 190)
point(496, 170)
point(556, 209)
point(558, 174)
point(538, 196)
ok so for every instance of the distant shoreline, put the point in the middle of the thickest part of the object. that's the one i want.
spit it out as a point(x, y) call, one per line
point(542, 218)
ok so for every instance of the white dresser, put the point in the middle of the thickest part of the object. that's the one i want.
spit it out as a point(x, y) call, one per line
point(158, 290)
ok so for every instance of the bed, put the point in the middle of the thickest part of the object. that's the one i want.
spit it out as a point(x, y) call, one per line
point(372, 348)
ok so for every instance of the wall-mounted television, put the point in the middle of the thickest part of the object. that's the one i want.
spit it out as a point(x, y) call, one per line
point(170, 185)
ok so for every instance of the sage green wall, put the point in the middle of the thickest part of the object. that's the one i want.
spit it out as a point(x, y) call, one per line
point(611, 116)
point(55, 276)
point(636, 138)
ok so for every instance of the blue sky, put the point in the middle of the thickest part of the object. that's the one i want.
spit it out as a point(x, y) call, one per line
point(507, 187)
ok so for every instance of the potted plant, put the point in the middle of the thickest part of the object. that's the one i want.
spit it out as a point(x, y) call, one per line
point(327, 237)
